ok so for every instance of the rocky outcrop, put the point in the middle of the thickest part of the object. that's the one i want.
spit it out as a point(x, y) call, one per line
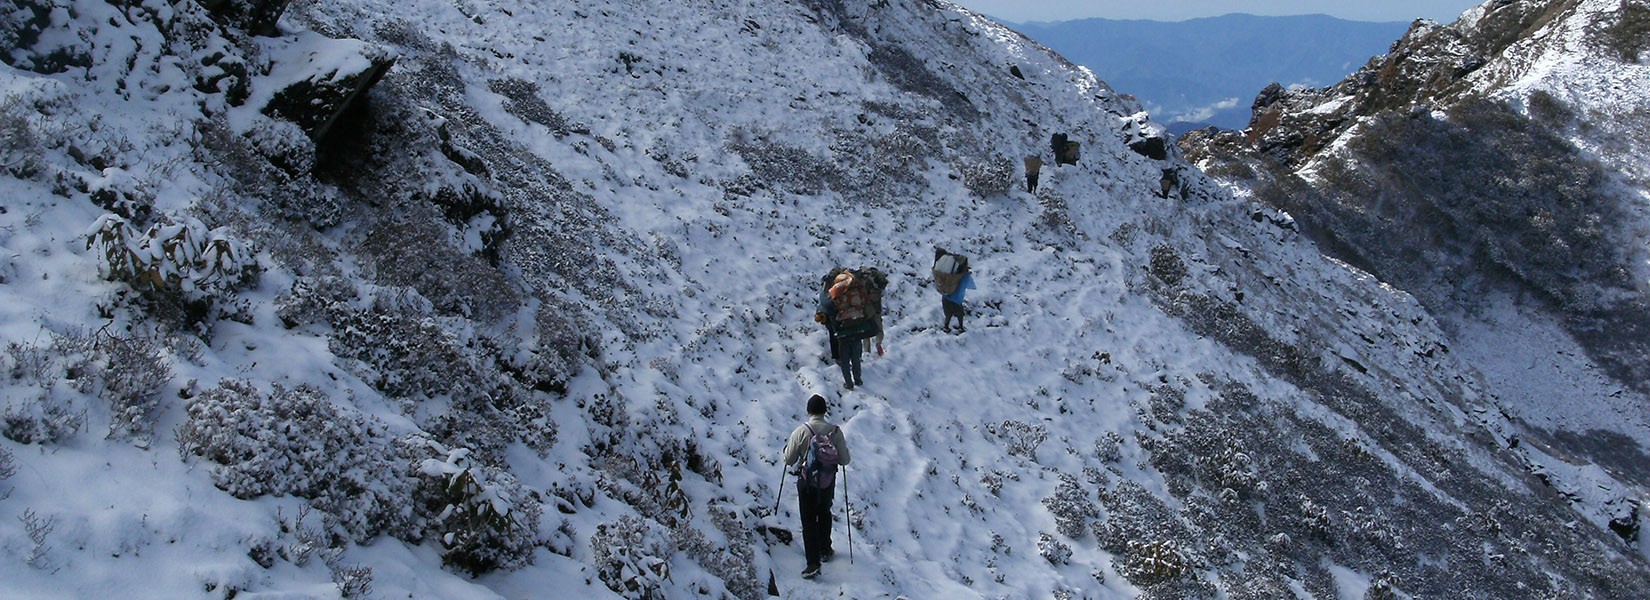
point(315, 80)
point(1479, 161)
point(1431, 65)
point(257, 17)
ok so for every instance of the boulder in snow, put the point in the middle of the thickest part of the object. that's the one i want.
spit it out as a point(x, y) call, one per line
point(257, 17)
point(314, 79)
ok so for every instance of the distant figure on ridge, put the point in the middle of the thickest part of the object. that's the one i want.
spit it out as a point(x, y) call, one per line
point(1034, 165)
point(1169, 181)
point(817, 448)
point(953, 279)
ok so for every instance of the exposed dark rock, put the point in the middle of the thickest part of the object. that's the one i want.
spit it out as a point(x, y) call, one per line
point(1154, 147)
point(21, 46)
point(313, 95)
point(257, 17)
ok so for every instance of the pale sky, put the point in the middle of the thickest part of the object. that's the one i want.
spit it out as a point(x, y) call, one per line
point(1020, 11)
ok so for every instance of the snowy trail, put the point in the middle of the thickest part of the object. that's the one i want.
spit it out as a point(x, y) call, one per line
point(891, 425)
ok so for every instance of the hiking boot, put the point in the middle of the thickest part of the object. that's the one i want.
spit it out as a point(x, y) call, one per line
point(826, 556)
point(858, 381)
point(849, 386)
point(811, 572)
point(946, 328)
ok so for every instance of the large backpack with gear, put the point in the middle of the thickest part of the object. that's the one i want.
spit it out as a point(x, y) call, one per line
point(949, 269)
point(858, 301)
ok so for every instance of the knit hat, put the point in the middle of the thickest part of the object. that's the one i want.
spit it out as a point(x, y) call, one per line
point(816, 405)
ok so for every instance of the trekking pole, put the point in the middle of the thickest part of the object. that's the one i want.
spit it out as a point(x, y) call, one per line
point(773, 585)
point(848, 504)
point(782, 491)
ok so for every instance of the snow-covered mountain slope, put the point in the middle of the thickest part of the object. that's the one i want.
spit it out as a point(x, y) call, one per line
point(1494, 168)
point(514, 299)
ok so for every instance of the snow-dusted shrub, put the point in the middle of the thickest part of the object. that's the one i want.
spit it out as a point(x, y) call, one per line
point(7, 467)
point(1053, 550)
point(284, 145)
point(785, 168)
point(1071, 507)
point(1166, 266)
point(1629, 35)
point(175, 257)
point(988, 177)
point(296, 441)
point(735, 564)
point(39, 532)
point(122, 193)
point(553, 350)
point(483, 519)
point(609, 413)
point(910, 73)
point(183, 254)
point(1056, 214)
point(522, 100)
point(653, 487)
point(36, 410)
point(133, 371)
point(993, 480)
point(1134, 513)
point(126, 371)
point(416, 251)
point(1166, 401)
point(47, 419)
point(400, 353)
point(1544, 105)
point(490, 413)
point(22, 144)
point(1383, 588)
point(632, 557)
point(315, 300)
point(1207, 451)
point(1315, 517)
point(911, 142)
point(272, 162)
point(354, 581)
point(304, 541)
point(1109, 447)
point(1153, 562)
point(1022, 439)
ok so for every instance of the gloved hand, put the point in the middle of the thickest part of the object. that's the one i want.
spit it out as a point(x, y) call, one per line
point(819, 317)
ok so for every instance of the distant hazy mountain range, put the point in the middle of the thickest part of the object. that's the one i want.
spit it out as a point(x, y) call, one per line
point(1207, 71)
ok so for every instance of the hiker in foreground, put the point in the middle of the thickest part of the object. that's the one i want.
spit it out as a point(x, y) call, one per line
point(817, 448)
point(953, 279)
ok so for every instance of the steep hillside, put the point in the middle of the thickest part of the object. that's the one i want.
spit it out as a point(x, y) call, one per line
point(1202, 72)
point(487, 299)
point(1493, 167)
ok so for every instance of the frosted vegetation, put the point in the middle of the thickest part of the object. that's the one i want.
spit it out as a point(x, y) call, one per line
point(532, 316)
